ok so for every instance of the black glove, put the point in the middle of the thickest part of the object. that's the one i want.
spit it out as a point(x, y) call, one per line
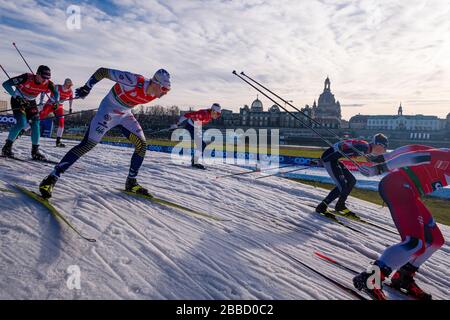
point(316, 163)
point(376, 159)
point(82, 92)
point(22, 103)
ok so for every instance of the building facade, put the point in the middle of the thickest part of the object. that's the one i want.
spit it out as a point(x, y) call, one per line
point(327, 112)
point(398, 122)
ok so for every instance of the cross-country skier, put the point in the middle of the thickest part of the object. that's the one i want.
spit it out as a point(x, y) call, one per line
point(65, 93)
point(129, 91)
point(193, 122)
point(23, 102)
point(344, 179)
point(414, 171)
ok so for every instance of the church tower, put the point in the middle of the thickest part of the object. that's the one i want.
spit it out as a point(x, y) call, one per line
point(400, 110)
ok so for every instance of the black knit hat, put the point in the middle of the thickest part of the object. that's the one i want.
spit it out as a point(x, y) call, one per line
point(44, 72)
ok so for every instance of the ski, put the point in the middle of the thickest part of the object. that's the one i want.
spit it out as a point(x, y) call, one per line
point(361, 220)
point(173, 205)
point(6, 190)
point(343, 287)
point(52, 210)
point(330, 216)
point(29, 160)
point(354, 272)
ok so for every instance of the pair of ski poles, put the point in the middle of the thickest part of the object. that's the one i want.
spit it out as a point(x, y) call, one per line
point(253, 83)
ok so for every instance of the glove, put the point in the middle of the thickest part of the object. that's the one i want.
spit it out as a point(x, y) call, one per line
point(173, 127)
point(316, 163)
point(82, 92)
point(70, 111)
point(370, 171)
point(375, 159)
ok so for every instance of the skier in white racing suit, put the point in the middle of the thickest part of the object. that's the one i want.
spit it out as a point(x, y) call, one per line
point(129, 91)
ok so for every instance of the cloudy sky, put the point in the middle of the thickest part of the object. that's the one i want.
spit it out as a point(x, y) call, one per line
point(376, 52)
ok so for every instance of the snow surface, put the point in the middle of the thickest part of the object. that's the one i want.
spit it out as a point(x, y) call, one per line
point(148, 251)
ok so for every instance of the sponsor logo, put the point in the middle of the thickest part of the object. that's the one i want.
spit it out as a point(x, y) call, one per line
point(103, 125)
point(7, 119)
point(420, 219)
point(133, 94)
point(107, 117)
point(140, 85)
point(437, 185)
point(121, 77)
point(100, 130)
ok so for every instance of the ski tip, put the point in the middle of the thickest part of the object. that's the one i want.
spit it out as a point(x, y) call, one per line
point(320, 255)
point(234, 72)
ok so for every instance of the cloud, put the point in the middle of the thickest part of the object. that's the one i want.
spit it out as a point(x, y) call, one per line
point(376, 53)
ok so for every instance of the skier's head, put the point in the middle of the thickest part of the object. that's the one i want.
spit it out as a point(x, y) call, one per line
point(43, 73)
point(160, 83)
point(68, 83)
point(216, 111)
point(379, 144)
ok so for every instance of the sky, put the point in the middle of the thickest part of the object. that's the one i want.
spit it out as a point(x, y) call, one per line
point(377, 53)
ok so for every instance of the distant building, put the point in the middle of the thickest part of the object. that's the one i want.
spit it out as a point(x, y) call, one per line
point(398, 122)
point(448, 122)
point(358, 122)
point(3, 105)
point(327, 112)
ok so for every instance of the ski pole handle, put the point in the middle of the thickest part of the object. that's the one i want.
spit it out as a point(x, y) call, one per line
point(23, 58)
point(10, 79)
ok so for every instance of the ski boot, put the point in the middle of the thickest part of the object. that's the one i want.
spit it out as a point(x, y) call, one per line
point(197, 165)
point(36, 154)
point(322, 209)
point(59, 144)
point(344, 211)
point(131, 185)
point(403, 280)
point(360, 283)
point(46, 186)
point(7, 149)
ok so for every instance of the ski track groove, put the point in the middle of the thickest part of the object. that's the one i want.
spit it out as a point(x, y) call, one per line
point(146, 250)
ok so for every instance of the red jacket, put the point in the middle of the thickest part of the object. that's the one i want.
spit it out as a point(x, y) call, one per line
point(201, 116)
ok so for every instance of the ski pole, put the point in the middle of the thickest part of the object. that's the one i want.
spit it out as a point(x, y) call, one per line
point(293, 115)
point(20, 53)
point(10, 79)
point(6, 110)
point(69, 114)
point(250, 172)
point(304, 114)
point(289, 171)
point(158, 131)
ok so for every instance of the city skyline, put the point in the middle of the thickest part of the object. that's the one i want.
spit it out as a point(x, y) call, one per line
point(376, 53)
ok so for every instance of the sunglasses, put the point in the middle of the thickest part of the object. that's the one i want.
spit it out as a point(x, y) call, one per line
point(45, 76)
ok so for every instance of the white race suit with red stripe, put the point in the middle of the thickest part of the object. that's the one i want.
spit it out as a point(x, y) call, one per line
point(115, 110)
